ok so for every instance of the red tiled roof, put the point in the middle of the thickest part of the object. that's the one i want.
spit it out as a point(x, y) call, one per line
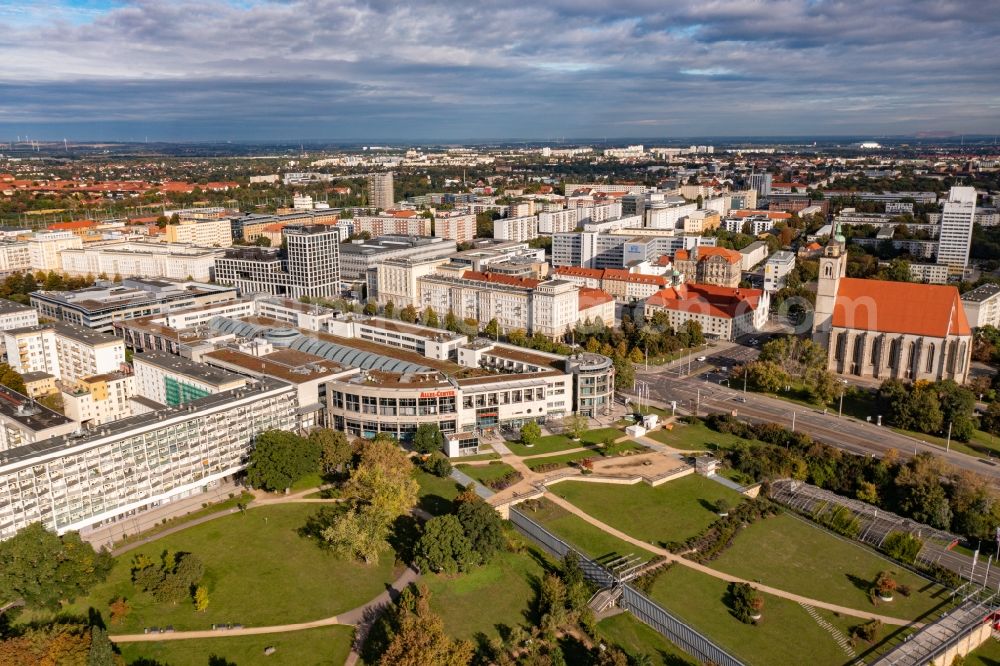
point(592, 297)
point(579, 271)
point(705, 251)
point(69, 226)
point(900, 307)
point(725, 302)
point(635, 278)
point(498, 278)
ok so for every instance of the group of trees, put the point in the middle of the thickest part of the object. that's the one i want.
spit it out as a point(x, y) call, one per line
point(791, 360)
point(924, 488)
point(280, 458)
point(746, 602)
point(173, 579)
point(379, 490)
point(65, 642)
point(409, 633)
point(929, 407)
point(469, 537)
point(17, 286)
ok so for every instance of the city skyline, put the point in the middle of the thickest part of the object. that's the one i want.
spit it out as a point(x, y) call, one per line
point(110, 70)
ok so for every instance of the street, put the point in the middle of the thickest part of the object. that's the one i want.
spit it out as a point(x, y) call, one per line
point(699, 390)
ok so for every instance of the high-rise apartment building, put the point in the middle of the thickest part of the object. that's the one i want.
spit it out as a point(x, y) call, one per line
point(380, 193)
point(956, 229)
point(760, 182)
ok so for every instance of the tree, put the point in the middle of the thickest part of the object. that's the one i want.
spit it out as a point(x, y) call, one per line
point(44, 569)
point(102, 652)
point(483, 527)
point(428, 438)
point(119, 610)
point(530, 433)
point(991, 419)
point(389, 310)
point(438, 464)
point(357, 535)
point(766, 376)
point(418, 637)
point(492, 330)
point(335, 450)
point(408, 314)
point(281, 458)
point(576, 425)
point(746, 602)
point(370, 308)
point(516, 337)
point(430, 317)
point(11, 379)
point(695, 337)
point(444, 547)
point(200, 599)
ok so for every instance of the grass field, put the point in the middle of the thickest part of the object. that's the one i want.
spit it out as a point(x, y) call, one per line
point(436, 493)
point(258, 571)
point(326, 646)
point(563, 460)
point(889, 637)
point(672, 511)
point(547, 444)
point(636, 638)
point(785, 635)
point(600, 434)
point(225, 505)
point(485, 473)
point(987, 654)
point(580, 534)
point(794, 555)
point(694, 437)
point(499, 594)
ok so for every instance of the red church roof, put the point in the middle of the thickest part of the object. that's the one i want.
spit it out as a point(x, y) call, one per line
point(900, 307)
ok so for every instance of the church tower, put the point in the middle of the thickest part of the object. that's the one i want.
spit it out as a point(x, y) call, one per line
point(832, 267)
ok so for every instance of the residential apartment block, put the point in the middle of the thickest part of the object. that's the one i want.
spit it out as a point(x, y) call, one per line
point(203, 232)
point(459, 227)
point(136, 259)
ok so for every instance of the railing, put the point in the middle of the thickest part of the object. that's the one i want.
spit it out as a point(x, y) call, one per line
point(642, 607)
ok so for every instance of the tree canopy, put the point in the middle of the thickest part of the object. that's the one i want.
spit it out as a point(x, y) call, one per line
point(281, 458)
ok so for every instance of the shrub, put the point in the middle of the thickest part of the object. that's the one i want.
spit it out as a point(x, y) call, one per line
point(745, 601)
point(868, 631)
point(902, 546)
point(437, 464)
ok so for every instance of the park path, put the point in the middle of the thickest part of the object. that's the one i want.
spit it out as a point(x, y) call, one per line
point(260, 499)
point(671, 557)
point(352, 617)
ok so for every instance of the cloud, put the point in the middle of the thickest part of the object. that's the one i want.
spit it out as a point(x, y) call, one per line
point(436, 69)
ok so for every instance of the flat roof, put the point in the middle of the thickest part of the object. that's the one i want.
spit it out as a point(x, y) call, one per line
point(85, 335)
point(131, 423)
point(277, 365)
point(981, 293)
point(29, 413)
point(202, 372)
point(10, 307)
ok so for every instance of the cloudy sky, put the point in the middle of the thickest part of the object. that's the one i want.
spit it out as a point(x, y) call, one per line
point(453, 69)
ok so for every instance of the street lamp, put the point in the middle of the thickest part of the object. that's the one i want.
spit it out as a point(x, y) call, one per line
point(843, 385)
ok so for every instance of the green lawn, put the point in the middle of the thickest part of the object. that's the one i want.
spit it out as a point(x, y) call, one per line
point(436, 493)
point(600, 434)
point(673, 511)
point(258, 571)
point(225, 505)
point(498, 594)
point(311, 647)
point(486, 473)
point(580, 534)
point(987, 654)
point(618, 448)
point(307, 482)
point(785, 635)
point(888, 639)
point(636, 638)
point(786, 552)
point(694, 437)
point(547, 444)
point(563, 460)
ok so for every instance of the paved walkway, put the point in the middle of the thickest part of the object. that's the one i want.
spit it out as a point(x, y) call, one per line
point(352, 617)
point(671, 557)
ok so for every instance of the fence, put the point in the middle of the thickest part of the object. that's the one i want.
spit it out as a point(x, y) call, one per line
point(634, 601)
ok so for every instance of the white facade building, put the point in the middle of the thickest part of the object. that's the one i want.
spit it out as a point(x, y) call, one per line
point(956, 229)
point(776, 269)
point(44, 248)
point(175, 261)
point(519, 229)
point(982, 306)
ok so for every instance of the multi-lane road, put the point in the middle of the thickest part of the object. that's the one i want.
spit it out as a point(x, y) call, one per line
point(701, 386)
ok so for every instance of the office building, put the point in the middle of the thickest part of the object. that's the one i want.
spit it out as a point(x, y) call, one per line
point(724, 313)
point(309, 266)
point(710, 265)
point(44, 248)
point(955, 238)
point(777, 268)
point(380, 194)
point(73, 481)
point(359, 258)
point(15, 256)
point(203, 232)
point(172, 380)
point(760, 183)
point(136, 259)
point(982, 306)
point(100, 306)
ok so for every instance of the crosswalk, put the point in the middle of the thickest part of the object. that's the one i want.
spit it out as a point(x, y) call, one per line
point(838, 636)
